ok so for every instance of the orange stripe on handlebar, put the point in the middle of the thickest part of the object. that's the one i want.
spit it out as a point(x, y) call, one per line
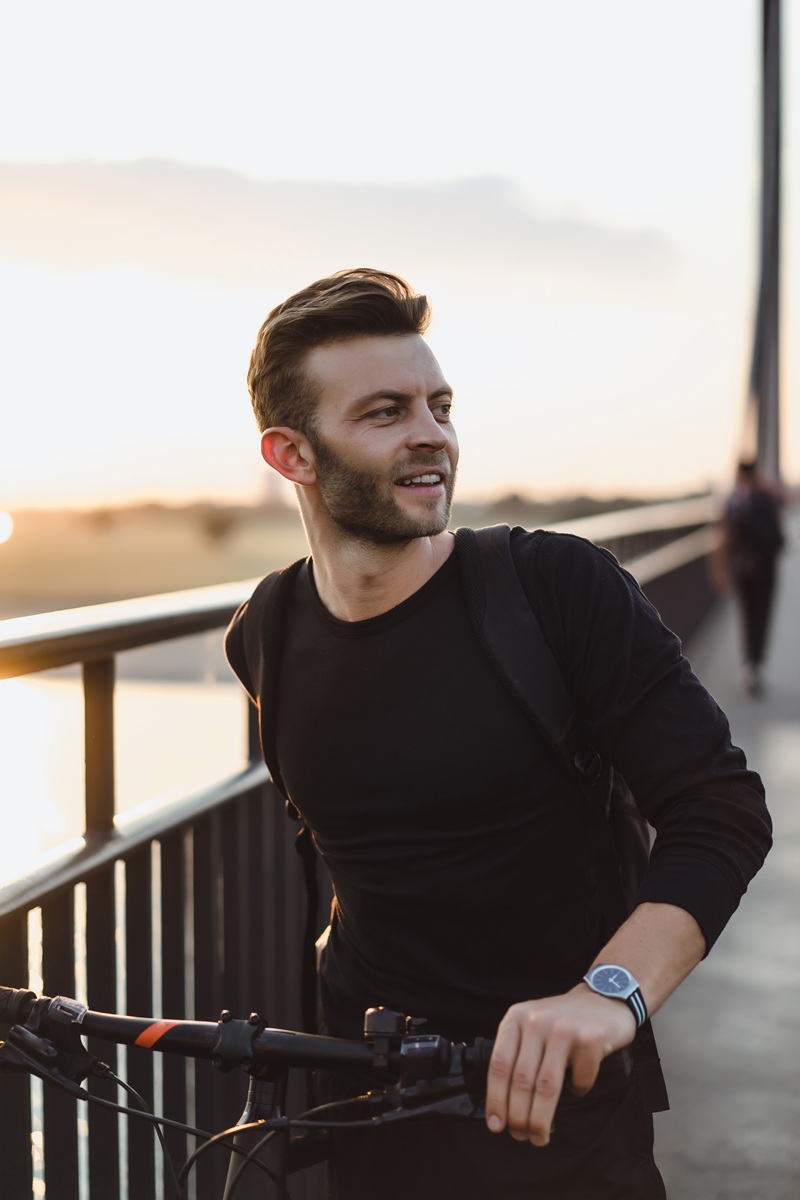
point(155, 1031)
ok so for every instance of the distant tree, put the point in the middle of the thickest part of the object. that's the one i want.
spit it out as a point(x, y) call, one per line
point(101, 519)
point(216, 522)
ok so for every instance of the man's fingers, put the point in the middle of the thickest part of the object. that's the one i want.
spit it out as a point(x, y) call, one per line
point(498, 1079)
point(585, 1067)
point(526, 1078)
point(582, 1085)
point(549, 1082)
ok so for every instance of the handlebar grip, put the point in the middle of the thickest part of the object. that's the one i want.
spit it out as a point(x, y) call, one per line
point(15, 1005)
point(479, 1054)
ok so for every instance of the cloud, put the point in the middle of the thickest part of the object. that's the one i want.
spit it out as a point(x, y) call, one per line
point(204, 223)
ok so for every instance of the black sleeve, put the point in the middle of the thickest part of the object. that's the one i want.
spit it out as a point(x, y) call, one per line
point(654, 719)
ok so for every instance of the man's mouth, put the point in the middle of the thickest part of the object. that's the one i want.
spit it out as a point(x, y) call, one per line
point(428, 480)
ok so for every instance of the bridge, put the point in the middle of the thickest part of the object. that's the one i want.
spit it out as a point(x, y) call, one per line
point(199, 905)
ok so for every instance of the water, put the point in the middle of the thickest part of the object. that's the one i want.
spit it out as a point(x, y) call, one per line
point(172, 738)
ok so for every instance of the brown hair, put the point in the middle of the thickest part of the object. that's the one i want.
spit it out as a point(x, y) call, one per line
point(352, 303)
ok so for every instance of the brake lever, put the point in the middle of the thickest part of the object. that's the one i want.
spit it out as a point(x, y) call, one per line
point(66, 1066)
point(24, 1051)
point(447, 1095)
point(49, 1044)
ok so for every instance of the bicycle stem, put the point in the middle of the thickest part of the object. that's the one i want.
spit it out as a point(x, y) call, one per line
point(265, 1101)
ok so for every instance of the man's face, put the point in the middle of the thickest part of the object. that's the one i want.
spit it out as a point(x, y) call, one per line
point(385, 450)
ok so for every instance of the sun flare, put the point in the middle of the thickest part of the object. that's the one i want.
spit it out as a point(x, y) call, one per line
point(6, 526)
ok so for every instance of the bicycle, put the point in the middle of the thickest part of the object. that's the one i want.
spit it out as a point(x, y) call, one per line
point(425, 1074)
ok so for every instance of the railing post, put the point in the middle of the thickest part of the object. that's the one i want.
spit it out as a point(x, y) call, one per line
point(15, 1094)
point(101, 987)
point(61, 1165)
point(98, 704)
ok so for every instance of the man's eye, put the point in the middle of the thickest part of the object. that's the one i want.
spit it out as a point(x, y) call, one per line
point(391, 410)
point(444, 410)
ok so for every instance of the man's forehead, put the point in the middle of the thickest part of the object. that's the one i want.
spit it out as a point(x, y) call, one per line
point(394, 361)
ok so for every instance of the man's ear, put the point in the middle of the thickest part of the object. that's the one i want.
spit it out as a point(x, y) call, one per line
point(287, 451)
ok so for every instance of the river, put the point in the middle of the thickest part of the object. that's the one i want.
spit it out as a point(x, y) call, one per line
point(172, 738)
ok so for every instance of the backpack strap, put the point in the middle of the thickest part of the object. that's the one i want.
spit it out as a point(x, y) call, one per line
point(505, 623)
point(263, 624)
point(511, 635)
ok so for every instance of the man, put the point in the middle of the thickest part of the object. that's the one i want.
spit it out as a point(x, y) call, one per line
point(463, 874)
point(753, 539)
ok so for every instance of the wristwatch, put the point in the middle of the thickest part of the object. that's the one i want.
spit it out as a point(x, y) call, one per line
point(607, 979)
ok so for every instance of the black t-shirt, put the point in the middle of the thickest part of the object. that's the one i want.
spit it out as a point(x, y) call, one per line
point(454, 842)
point(457, 845)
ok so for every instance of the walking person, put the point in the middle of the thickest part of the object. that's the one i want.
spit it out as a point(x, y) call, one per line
point(462, 856)
point(753, 540)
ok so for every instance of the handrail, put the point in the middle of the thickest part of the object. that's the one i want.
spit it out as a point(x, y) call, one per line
point(94, 632)
point(647, 518)
point(84, 856)
point(655, 564)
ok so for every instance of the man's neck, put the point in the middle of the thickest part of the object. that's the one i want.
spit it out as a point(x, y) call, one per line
point(356, 580)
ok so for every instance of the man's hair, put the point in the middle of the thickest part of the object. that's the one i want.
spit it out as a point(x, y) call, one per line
point(352, 303)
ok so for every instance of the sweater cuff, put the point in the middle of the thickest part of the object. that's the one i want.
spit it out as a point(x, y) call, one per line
point(699, 888)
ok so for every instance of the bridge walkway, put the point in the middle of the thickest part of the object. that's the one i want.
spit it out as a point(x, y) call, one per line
point(730, 1037)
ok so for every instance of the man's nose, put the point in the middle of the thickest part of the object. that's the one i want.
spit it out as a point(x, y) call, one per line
point(425, 430)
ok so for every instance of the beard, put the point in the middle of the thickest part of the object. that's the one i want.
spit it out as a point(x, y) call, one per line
point(364, 503)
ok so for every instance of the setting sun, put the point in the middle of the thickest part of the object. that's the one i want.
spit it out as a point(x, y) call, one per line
point(6, 526)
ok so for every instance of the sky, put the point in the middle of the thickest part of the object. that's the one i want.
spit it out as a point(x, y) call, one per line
point(575, 186)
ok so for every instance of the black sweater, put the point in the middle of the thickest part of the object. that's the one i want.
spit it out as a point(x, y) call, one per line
point(457, 846)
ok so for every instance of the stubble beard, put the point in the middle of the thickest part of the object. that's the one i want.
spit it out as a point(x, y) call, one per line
point(364, 504)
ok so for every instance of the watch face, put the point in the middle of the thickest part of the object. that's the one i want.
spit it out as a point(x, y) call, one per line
point(611, 981)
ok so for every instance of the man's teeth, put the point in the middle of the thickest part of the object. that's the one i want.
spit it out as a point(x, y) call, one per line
point(421, 479)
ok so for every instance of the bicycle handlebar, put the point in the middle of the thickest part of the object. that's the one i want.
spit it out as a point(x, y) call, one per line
point(421, 1073)
point(387, 1048)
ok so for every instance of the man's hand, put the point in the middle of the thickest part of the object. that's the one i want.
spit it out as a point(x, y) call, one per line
point(536, 1042)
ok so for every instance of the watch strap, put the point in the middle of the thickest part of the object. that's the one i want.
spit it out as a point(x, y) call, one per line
point(636, 1004)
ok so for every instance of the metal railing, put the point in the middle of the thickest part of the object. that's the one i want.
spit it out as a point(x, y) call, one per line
point(201, 903)
point(671, 551)
point(194, 907)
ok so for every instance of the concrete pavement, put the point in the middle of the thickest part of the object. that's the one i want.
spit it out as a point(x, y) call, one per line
point(730, 1036)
